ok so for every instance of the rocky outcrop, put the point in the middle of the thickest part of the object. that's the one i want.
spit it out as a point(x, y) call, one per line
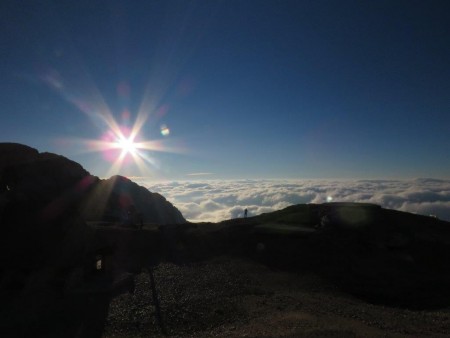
point(46, 246)
point(48, 185)
point(120, 200)
point(42, 233)
point(14, 153)
point(45, 200)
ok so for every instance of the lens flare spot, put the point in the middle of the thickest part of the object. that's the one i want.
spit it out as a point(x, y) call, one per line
point(126, 115)
point(165, 131)
point(329, 198)
point(162, 111)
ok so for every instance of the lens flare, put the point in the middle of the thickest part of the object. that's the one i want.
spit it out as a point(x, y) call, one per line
point(165, 131)
point(119, 145)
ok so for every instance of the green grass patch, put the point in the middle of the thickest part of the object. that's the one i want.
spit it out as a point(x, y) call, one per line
point(296, 214)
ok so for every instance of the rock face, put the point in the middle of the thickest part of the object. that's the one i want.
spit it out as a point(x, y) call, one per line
point(13, 153)
point(45, 200)
point(46, 246)
point(120, 200)
point(50, 185)
point(45, 185)
point(42, 235)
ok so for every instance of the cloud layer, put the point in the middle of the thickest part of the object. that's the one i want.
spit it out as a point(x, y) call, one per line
point(202, 201)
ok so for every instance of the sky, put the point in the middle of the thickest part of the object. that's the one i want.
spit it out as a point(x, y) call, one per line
point(222, 90)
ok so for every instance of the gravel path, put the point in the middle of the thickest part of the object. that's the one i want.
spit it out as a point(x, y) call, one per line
point(233, 297)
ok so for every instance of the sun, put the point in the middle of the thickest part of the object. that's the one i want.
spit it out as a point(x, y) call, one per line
point(127, 145)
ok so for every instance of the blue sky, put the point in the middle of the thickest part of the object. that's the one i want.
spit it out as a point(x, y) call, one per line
point(247, 89)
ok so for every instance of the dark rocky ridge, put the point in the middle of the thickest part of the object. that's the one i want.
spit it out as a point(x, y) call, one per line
point(110, 198)
point(54, 184)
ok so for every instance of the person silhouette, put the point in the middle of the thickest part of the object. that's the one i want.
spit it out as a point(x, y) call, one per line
point(245, 213)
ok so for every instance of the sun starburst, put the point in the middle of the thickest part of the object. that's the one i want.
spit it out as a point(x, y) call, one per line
point(127, 145)
point(119, 144)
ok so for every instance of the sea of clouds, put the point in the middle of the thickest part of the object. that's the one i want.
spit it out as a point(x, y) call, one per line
point(217, 200)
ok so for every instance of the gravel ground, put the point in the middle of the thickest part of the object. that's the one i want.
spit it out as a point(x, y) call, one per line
point(234, 297)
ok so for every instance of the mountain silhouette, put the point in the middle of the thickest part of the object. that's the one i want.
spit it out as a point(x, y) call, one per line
point(54, 185)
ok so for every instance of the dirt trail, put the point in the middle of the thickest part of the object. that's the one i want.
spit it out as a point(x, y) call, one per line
point(233, 297)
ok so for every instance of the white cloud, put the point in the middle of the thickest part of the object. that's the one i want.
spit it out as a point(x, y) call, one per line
point(216, 200)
